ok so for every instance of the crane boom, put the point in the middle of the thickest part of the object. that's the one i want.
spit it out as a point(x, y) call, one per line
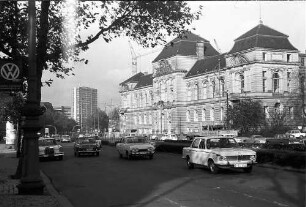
point(134, 59)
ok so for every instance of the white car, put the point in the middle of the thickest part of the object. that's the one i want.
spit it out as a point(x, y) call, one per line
point(65, 138)
point(296, 133)
point(48, 147)
point(135, 147)
point(169, 137)
point(218, 153)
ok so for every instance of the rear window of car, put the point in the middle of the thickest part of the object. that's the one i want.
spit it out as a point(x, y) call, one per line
point(46, 142)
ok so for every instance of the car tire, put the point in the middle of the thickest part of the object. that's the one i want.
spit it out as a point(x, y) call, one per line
point(151, 157)
point(120, 155)
point(78, 154)
point(212, 167)
point(60, 157)
point(97, 154)
point(189, 164)
point(248, 169)
point(75, 154)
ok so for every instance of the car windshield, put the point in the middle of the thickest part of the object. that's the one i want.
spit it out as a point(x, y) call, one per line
point(65, 136)
point(85, 140)
point(46, 142)
point(136, 140)
point(221, 143)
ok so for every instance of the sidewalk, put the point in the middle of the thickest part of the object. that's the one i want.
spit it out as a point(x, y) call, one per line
point(9, 193)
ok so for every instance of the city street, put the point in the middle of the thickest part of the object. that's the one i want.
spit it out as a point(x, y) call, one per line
point(165, 181)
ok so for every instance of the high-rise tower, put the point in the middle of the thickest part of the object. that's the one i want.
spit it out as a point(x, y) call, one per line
point(84, 105)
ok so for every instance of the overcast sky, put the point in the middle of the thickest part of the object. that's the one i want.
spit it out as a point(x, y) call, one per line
point(110, 63)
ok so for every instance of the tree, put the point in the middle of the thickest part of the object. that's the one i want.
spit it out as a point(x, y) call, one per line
point(114, 118)
point(100, 119)
point(246, 115)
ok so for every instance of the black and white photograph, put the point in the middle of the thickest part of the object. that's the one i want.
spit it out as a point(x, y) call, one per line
point(152, 103)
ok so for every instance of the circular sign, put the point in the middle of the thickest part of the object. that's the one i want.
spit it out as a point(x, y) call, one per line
point(10, 71)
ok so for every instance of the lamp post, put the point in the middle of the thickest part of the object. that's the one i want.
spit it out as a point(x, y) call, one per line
point(31, 182)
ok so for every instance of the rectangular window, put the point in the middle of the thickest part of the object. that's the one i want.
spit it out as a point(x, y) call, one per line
point(288, 80)
point(264, 81)
point(302, 61)
point(203, 115)
point(288, 58)
point(264, 56)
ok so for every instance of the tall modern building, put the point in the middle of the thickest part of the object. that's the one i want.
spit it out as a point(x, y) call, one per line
point(84, 105)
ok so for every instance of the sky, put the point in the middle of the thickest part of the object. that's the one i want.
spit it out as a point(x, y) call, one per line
point(109, 64)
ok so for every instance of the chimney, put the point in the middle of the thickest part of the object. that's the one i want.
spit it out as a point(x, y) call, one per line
point(200, 50)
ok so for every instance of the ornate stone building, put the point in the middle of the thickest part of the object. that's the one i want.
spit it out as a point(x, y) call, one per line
point(192, 85)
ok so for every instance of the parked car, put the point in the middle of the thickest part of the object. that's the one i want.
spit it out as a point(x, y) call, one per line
point(65, 138)
point(57, 137)
point(48, 147)
point(257, 139)
point(86, 145)
point(169, 137)
point(218, 153)
point(283, 139)
point(296, 133)
point(135, 147)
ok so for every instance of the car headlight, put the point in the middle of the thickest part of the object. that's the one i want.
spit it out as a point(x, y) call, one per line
point(222, 158)
point(151, 149)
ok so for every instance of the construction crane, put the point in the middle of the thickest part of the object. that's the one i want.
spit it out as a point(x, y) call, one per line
point(217, 46)
point(136, 56)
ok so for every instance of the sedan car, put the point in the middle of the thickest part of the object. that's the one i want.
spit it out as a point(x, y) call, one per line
point(169, 137)
point(218, 153)
point(65, 138)
point(135, 147)
point(48, 147)
point(86, 145)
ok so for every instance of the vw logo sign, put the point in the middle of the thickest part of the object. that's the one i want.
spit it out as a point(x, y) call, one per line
point(10, 71)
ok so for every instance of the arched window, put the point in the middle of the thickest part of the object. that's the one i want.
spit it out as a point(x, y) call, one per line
point(196, 88)
point(205, 90)
point(203, 114)
point(275, 83)
point(212, 114)
point(196, 118)
point(241, 83)
point(188, 116)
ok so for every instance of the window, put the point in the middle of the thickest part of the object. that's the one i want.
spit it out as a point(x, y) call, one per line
point(288, 58)
point(264, 81)
point(202, 144)
point(222, 89)
point(241, 83)
point(291, 112)
point(221, 114)
point(212, 114)
point(275, 83)
point(196, 117)
point(205, 90)
point(213, 88)
point(196, 143)
point(302, 61)
point(203, 114)
point(264, 56)
point(188, 93)
point(288, 81)
point(188, 116)
point(196, 92)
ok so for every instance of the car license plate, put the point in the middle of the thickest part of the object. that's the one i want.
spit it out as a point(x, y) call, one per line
point(240, 165)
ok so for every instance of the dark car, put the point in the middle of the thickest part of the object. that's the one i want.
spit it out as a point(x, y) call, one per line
point(86, 145)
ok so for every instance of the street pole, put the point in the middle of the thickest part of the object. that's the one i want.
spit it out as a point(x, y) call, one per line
point(31, 182)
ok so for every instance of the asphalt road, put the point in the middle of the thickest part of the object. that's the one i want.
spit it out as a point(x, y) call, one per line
point(165, 181)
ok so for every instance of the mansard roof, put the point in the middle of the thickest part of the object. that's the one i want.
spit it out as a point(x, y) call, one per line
point(208, 64)
point(185, 46)
point(145, 80)
point(134, 79)
point(262, 36)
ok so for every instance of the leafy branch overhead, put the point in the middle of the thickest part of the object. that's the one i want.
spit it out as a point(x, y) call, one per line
point(63, 28)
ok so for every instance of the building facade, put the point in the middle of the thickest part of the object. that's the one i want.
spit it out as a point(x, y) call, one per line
point(192, 85)
point(84, 105)
point(67, 110)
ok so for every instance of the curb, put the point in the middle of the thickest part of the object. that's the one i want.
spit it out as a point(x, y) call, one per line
point(281, 168)
point(63, 201)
